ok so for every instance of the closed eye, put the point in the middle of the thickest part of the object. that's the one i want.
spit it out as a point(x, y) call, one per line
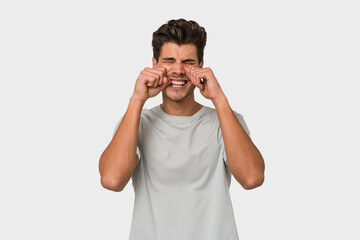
point(168, 60)
point(189, 61)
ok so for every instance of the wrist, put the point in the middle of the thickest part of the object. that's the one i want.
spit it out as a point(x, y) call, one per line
point(219, 100)
point(136, 101)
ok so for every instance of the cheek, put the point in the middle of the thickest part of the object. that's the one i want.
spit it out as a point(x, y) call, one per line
point(168, 68)
point(187, 67)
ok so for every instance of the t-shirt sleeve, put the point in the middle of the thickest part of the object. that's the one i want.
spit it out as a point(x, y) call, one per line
point(245, 127)
point(137, 147)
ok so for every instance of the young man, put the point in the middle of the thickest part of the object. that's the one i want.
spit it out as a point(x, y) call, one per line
point(181, 154)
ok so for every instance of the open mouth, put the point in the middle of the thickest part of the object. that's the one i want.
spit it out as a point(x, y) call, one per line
point(178, 82)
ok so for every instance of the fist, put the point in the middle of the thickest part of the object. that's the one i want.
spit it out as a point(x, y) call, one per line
point(150, 83)
point(205, 80)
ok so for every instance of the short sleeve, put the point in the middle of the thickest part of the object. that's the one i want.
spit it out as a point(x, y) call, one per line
point(245, 127)
point(137, 148)
point(242, 122)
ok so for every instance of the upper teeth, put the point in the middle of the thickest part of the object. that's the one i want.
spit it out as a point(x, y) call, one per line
point(177, 82)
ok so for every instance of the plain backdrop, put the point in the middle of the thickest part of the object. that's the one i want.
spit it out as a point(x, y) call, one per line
point(67, 71)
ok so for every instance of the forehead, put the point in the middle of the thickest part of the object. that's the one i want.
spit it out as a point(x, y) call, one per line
point(182, 51)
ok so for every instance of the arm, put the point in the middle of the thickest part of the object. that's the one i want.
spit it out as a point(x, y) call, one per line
point(119, 159)
point(243, 158)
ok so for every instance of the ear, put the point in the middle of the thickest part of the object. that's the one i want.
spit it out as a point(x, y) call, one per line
point(201, 64)
point(154, 62)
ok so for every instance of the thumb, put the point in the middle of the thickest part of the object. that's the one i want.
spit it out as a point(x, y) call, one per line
point(166, 82)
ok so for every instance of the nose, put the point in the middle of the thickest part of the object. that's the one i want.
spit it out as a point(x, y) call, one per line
point(178, 69)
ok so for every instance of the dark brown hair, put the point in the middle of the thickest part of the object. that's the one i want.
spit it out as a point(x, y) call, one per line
point(180, 32)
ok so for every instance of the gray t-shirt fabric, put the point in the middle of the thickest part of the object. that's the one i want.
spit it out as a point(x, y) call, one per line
point(182, 182)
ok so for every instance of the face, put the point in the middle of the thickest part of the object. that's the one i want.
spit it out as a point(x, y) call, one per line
point(178, 60)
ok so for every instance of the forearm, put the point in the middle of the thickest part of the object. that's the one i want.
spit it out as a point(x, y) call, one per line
point(119, 159)
point(243, 158)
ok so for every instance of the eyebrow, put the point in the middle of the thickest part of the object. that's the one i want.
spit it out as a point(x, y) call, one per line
point(172, 59)
point(168, 59)
point(188, 60)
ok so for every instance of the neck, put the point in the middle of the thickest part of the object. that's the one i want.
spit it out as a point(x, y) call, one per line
point(185, 107)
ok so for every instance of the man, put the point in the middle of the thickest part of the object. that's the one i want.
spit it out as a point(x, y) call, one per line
point(181, 154)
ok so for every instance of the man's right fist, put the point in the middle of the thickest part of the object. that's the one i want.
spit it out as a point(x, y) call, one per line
point(150, 83)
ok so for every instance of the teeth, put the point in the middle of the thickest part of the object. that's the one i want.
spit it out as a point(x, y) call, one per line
point(174, 82)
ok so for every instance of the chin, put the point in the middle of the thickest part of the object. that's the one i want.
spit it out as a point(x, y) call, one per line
point(178, 96)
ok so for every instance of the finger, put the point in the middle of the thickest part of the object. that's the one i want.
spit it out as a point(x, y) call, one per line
point(156, 82)
point(196, 79)
point(149, 80)
point(191, 74)
point(189, 71)
point(199, 82)
point(153, 74)
point(204, 74)
point(161, 72)
point(192, 70)
point(166, 82)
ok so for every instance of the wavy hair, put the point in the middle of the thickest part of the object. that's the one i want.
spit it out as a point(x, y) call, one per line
point(180, 32)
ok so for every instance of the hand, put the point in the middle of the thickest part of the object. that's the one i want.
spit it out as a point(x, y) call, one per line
point(205, 80)
point(150, 83)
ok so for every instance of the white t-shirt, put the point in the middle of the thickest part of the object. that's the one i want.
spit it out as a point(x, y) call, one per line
point(182, 181)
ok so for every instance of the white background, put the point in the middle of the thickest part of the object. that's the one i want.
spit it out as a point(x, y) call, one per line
point(67, 70)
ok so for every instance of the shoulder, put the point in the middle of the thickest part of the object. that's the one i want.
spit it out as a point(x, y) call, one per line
point(145, 113)
point(211, 112)
point(149, 113)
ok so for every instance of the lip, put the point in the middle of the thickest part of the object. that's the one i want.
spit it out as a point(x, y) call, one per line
point(179, 79)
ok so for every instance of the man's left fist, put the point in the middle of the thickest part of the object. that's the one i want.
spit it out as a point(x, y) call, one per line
point(205, 80)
